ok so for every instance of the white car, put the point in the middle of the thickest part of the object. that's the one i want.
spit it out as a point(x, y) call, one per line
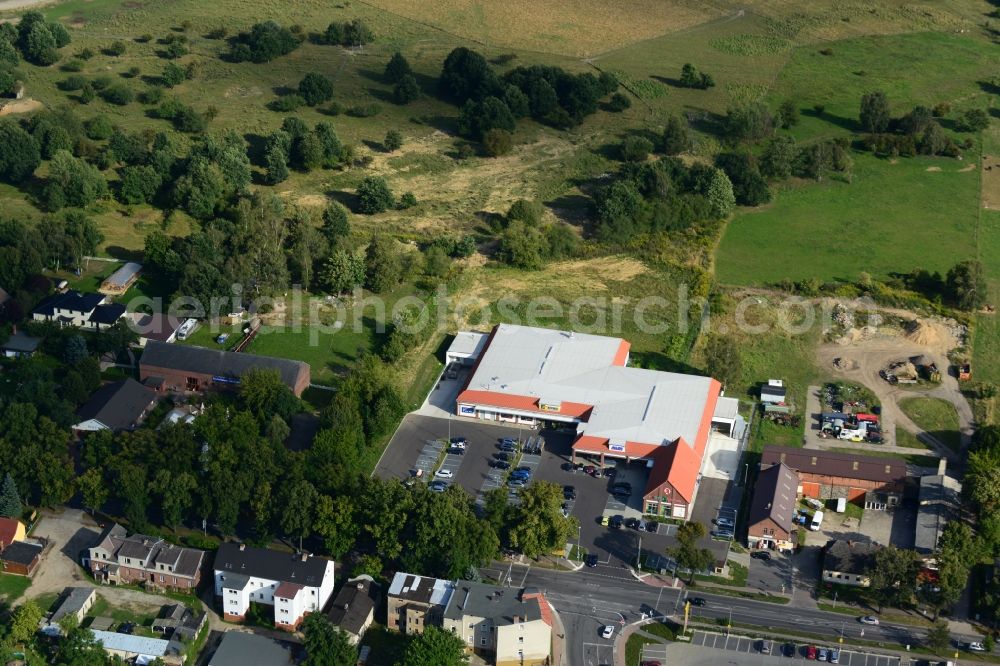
point(977, 647)
point(868, 619)
point(608, 631)
point(444, 474)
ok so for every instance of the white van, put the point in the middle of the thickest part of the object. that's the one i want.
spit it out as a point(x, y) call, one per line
point(816, 521)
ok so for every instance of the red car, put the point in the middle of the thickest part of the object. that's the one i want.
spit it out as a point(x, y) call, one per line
point(589, 469)
point(811, 652)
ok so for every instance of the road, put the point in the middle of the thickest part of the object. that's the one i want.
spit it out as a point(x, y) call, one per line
point(588, 599)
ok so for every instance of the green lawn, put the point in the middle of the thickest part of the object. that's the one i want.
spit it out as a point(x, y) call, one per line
point(326, 353)
point(937, 417)
point(835, 230)
point(908, 440)
point(12, 587)
point(633, 648)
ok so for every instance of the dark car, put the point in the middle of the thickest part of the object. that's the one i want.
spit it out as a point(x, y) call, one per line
point(761, 555)
point(589, 469)
point(502, 456)
point(591, 560)
point(568, 467)
point(610, 472)
point(697, 601)
point(456, 451)
point(459, 441)
point(632, 523)
point(788, 649)
point(652, 526)
point(502, 464)
point(127, 628)
point(617, 521)
point(569, 492)
point(622, 488)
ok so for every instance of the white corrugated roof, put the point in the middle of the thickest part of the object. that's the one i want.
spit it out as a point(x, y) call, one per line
point(467, 343)
point(727, 408)
point(154, 647)
point(630, 403)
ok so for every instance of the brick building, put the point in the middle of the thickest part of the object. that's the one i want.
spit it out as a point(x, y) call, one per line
point(120, 558)
point(770, 524)
point(876, 483)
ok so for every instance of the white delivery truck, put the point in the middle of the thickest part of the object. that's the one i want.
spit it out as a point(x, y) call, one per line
point(817, 521)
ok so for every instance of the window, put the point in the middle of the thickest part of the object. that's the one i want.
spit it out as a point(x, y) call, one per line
point(128, 560)
point(520, 639)
point(482, 641)
point(161, 578)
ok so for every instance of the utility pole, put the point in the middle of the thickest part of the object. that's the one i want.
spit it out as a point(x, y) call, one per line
point(841, 640)
point(835, 598)
point(638, 554)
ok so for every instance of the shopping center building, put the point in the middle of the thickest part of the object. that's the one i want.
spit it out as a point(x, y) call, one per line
point(542, 376)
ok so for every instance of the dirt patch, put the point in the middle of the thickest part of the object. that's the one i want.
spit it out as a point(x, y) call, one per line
point(312, 201)
point(991, 182)
point(240, 91)
point(934, 169)
point(618, 269)
point(26, 105)
point(967, 168)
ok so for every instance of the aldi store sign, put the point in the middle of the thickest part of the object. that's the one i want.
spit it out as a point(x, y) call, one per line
point(617, 447)
point(467, 410)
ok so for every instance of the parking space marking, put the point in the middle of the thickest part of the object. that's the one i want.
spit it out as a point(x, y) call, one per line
point(741, 644)
point(428, 457)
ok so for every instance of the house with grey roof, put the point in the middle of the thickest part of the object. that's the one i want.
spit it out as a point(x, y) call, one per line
point(239, 649)
point(20, 345)
point(500, 624)
point(940, 500)
point(416, 601)
point(74, 602)
point(119, 282)
point(848, 563)
point(118, 557)
point(117, 406)
point(353, 609)
point(91, 312)
point(295, 584)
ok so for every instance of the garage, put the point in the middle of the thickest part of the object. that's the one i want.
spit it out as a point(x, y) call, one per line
point(856, 496)
point(810, 489)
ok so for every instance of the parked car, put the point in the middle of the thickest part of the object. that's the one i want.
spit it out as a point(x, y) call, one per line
point(610, 472)
point(616, 521)
point(697, 601)
point(722, 521)
point(516, 483)
point(788, 649)
point(438, 486)
point(765, 646)
point(976, 647)
point(569, 467)
point(622, 487)
point(834, 656)
point(823, 654)
point(868, 619)
point(502, 455)
point(811, 652)
point(569, 493)
point(521, 472)
point(444, 474)
point(501, 464)
point(761, 555)
point(456, 451)
point(632, 523)
point(510, 441)
point(460, 442)
point(608, 631)
point(652, 526)
point(589, 469)
point(591, 560)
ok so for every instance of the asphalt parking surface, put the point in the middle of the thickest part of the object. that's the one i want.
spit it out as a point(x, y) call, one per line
point(751, 646)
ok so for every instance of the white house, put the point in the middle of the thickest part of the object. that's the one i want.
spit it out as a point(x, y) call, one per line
point(90, 311)
point(294, 584)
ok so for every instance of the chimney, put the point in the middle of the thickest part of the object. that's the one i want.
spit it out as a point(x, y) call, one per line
point(347, 605)
point(942, 466)
point(305, 557)
point(517, 619)
point(243, 547)
point(361, 585)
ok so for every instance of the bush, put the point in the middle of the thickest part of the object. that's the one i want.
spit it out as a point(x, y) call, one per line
point(393, 140)
point(173, 75)
point(175, 50)
point(352, 33)
point(101, 82)
point(618, 102)
point(941, 109)
point(374, 195)
point(72, 66)
point(99, 128)
point(189, 120)
point(118, 94)
point(973, 120)
point(217, 33)
point(117, 48)
point(287, 103)
point(364, 110)
point(151, 96)
point(315, 88)
point(85, 53)
point(406, 90)
point(144, 38)
point(498, 142)
point(636, 149)
point(71, 83)
point(408, 200)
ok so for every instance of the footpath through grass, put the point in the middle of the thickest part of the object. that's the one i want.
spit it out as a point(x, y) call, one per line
point(937, 417)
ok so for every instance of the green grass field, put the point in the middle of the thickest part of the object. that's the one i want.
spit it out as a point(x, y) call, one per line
point(12, 587)
point(937, 417)
point(892, 218)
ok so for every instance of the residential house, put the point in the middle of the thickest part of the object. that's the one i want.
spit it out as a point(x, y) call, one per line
point(848, 563)
point(189, 368)
point(178, 622)
point(117, 406)
point(139, 648)
point(353, 609)
point(21, 558)
point(19, 345)
point(119, 282)
point(773, 392)
point(11, 530)
point(240, 649)
point(294, 584)
point(940, 500)
point(505, 626)
point(875, 482)
point(75, 602)
point(117, 558)
point(416, 601)
point(770, 521)
point(92, 312)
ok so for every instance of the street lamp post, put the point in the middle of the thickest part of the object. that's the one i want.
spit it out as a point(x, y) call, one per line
point(729, 626)
point(842, 624)
point(579, 531)
point(746, 472)
point(835, 598)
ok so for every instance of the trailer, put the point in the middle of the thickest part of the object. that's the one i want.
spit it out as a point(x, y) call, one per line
point(965, 372)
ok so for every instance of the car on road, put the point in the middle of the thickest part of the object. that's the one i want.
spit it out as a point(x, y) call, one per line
point(459, 442)
point(761, 555)
point(444, 474)
point(569, 493)
point(591, 560)
point(616, 522)
point(823, 654)
point(811, 652)
point(652, 526)
point(976, 647)
point(697, 601)
point(438, 486)
point(608, 631)
point(868, 619)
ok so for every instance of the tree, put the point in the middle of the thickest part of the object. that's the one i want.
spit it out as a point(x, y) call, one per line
point(264, 394)
point(618, 102)
point(686, 553)
point(173, 75)
point(689, 76)
point(788, 114)
point(497, 142)
point(538, 526)
point(479, 117)
point(336, 228)
point(40, 45)
point(80, 183)
point(335, 524)
point(406, 90)
point(636, 148)
point(10, 499)
point(275, 164)
point(99, 128)
point(19, 152)
point(875, 114)
point(676, 136)
point(139, 184)
point(342, 271)
point(326, 645)
point(297, 516)
point(893, 573)
point(315, 88)
point(435, 647)
point(466, 75)
point(939, 636)
point(720, 194)
point(523, 246)
point(397, 68)
point(750, 122)
point(749, 186)
point(24, 622)
point(201, 189)
point(382, 264)
point(93, 488)
point(966, 285)
point(778, 157)
point(374, 195)
point(393, 140)
point(722, 359)
point(973, 120)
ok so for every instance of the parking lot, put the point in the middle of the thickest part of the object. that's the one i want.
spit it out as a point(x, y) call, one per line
point(750, 648)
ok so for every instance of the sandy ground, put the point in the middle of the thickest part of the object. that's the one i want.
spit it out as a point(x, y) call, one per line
point(10, 5)
point(20, 106)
